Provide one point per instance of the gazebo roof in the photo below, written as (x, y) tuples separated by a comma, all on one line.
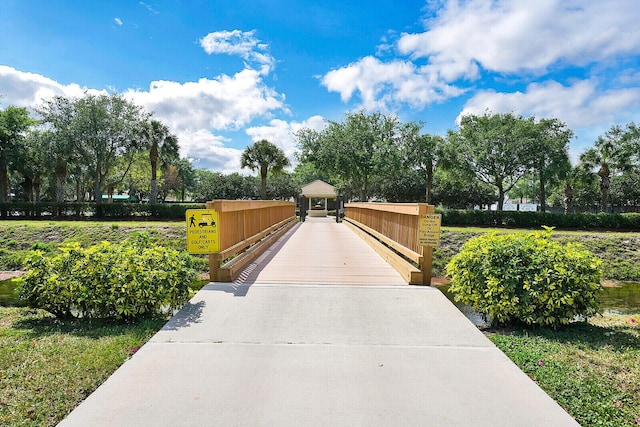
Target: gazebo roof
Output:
[(318, 189)]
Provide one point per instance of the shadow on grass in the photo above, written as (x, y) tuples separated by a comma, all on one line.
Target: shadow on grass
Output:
[(618, 338), (39, 323)]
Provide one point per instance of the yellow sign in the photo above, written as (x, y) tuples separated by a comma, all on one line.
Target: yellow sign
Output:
[(202, 231), (429, 230)]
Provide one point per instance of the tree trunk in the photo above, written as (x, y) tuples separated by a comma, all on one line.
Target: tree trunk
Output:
[(153, 191), (153, 158), (4, 179), (27, 187), (605, 180), (263, 182), (61, 177), (36, 188), (568, 198), (500, 198), (543, 195), (429, 181)]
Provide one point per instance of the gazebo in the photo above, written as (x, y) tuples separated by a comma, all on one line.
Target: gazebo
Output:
[(318, 194)]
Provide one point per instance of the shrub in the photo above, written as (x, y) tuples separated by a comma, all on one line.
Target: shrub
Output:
[(526, 277), (122, 281)]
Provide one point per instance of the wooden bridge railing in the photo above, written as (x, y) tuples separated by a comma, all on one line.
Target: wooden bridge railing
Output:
[(392, 230), (246, 229)]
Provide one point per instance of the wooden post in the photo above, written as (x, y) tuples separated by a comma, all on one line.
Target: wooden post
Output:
[(427, 256), (214, 266), (426, 251)]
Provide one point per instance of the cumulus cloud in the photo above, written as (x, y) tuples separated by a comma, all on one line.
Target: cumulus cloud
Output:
[(226, 102), (195, 111), (239, 43), (118, 21), (515, 35), (579, 105), (281, 133), (382, 85), (465, 40), (208, 151), (23, 89)]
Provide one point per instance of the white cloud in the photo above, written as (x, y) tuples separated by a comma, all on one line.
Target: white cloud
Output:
[(226, 102), (118, 21), (207, 151), (240, 43), (281, 133), (515, 35), (581, 105), (24, 89), (194, 111), (381, 85), (149, 8)]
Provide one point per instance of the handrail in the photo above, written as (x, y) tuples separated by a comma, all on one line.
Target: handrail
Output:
[(243, 223), (396, 225)]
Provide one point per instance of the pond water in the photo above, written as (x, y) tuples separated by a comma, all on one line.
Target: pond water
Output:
[(7, 295), (622, 299)]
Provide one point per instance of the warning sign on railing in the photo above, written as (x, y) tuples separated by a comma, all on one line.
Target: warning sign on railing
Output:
[(429, 230), (202, 231)]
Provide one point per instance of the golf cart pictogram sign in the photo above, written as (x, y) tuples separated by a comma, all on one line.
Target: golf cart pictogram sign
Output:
[(202, 231)]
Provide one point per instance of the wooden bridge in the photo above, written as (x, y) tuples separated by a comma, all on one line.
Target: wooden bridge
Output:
[(376, 243), (314, 328)]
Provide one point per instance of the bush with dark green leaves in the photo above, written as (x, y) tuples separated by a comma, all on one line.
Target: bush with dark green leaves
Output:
[(526, 277), (121, 281)]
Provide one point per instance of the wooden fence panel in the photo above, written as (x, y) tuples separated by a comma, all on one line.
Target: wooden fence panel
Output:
[(243, 223), (395, 225)]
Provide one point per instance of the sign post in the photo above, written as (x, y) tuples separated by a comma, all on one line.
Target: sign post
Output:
[(203, 236), (428, 238), (202, 231), (429, 230)]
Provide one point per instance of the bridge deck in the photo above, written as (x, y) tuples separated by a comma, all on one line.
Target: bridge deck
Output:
[(319, 251), (294, 343)]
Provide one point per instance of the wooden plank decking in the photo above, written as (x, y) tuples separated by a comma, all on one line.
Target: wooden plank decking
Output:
[(319, 251)]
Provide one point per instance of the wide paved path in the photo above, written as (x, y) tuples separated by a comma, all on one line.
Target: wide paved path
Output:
[(307, 351)]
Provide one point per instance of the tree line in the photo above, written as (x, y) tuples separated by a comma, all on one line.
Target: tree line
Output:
[(488, 158), (81, 148)]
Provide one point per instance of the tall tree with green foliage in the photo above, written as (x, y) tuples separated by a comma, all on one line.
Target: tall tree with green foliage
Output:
[(14, 123), (611, 153), (59, 113), (550, 158), (421, 153), (362, 150), (497, 148), (264, 156), (163, 147), (102, 129), (31, 162)]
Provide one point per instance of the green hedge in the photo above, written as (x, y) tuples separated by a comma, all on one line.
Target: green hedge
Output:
[(76, 210), (122, 281), (526, 277), (628, 221)]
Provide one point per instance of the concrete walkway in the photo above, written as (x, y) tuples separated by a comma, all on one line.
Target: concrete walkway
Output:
[(263, 352)]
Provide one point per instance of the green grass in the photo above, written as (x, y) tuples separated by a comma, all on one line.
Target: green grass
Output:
[(48, 366), (619, 251), (591, 369), (18, 237)]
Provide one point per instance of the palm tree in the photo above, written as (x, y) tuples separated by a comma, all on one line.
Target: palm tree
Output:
[(609, 154), (265, 156), (163, 147)]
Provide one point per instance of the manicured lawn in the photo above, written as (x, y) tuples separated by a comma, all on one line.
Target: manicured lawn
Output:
[(48, 366), (592, 370)]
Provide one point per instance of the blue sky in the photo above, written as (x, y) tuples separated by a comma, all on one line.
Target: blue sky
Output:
[(222, 74)]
